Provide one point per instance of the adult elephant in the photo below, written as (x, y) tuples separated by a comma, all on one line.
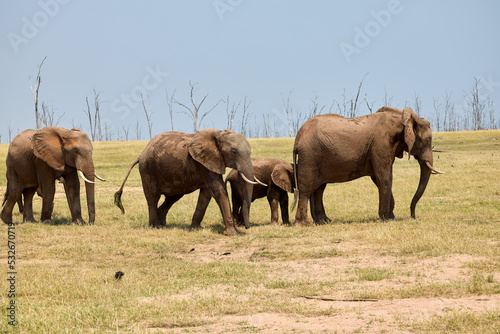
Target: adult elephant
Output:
[(277, 178), (331, 148), (174, 164), (36, 159)]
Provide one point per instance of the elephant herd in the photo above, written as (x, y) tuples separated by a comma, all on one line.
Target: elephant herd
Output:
[(328, 148)]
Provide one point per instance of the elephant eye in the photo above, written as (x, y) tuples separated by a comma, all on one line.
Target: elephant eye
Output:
[(234, 151)]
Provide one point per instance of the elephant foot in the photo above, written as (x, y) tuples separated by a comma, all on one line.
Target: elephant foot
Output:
[(195, 226), (7, 219), (47, 222), (387, 217), (79, 221), (304, 222), (231, 231), (30, 220), (322, 220)]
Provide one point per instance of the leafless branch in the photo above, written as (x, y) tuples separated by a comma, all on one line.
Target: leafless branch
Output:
[(35, 94), (148, 115)]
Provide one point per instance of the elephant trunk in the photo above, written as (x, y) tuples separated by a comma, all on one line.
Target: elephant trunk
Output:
[(425, 174), (247, 171), (89, 174)]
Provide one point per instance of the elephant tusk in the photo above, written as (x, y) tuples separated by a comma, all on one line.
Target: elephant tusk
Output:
[(83, 177), (99, 178), (260, 182), (246, 179), (434, 171)]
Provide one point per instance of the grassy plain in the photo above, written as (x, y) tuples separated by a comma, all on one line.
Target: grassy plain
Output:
[(438, 273)]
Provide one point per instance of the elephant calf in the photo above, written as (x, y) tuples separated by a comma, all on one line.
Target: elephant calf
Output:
[(277, 176), (174, 164)]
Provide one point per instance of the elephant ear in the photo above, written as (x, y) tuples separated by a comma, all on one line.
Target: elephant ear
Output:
[(282, 176), (204, 148), (409, 117), (47, 145)]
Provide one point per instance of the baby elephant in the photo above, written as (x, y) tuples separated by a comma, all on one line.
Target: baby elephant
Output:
[(277, 174)]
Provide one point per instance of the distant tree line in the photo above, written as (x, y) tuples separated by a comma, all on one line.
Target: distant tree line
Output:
[(476, 113)]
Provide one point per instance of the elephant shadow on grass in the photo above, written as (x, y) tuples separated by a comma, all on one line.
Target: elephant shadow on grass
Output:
[(363, 221)]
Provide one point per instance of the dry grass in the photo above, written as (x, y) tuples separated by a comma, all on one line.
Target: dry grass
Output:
[(438, 273)]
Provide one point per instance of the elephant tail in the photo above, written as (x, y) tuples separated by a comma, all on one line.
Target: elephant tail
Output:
[(118, 194), (5, 197), (296, 192)]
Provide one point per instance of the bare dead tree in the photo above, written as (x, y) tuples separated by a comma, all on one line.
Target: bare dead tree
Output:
[(245, 116), (126, 132), (491, 111), (47, 116), (437, 111), (137, 131), (289, 112), (476, 106), (449, 114), (231, 110), (97, 115), (170, 100), (94, 118), (148, 113), (417, 104), (75, 124), (342, 107), (448, 106), (194, 111), (266, 130), (387, 98), (315, 109), (10, 134), (35, 94), (368, 104), (354, 107), (89, 114)]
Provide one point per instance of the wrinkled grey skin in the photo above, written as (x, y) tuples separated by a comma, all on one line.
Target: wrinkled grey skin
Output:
[(331, 148), (36, 159), (174, 164), (277, 174)]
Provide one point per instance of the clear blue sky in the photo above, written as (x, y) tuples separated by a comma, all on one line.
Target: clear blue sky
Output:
[(255, 48)]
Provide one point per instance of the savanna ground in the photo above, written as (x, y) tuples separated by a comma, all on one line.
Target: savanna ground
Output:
[(438, 273)]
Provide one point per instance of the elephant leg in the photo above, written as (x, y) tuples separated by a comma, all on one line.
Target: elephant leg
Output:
[(218, 190), (284, 207), (71, 185), (273, 197), (237, 202), (317, 208), (386, 199), (20, 205), (165, 206), (201, 207), (154, 219), (301, 214), (15, 194), (48, 190), (28, 205)]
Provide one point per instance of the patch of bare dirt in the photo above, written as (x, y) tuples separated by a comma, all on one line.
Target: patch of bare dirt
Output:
[(384, 316)]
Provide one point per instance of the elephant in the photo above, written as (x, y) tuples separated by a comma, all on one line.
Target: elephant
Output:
[(174, 164), (331, 149), (36, 159), (277, 176)]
